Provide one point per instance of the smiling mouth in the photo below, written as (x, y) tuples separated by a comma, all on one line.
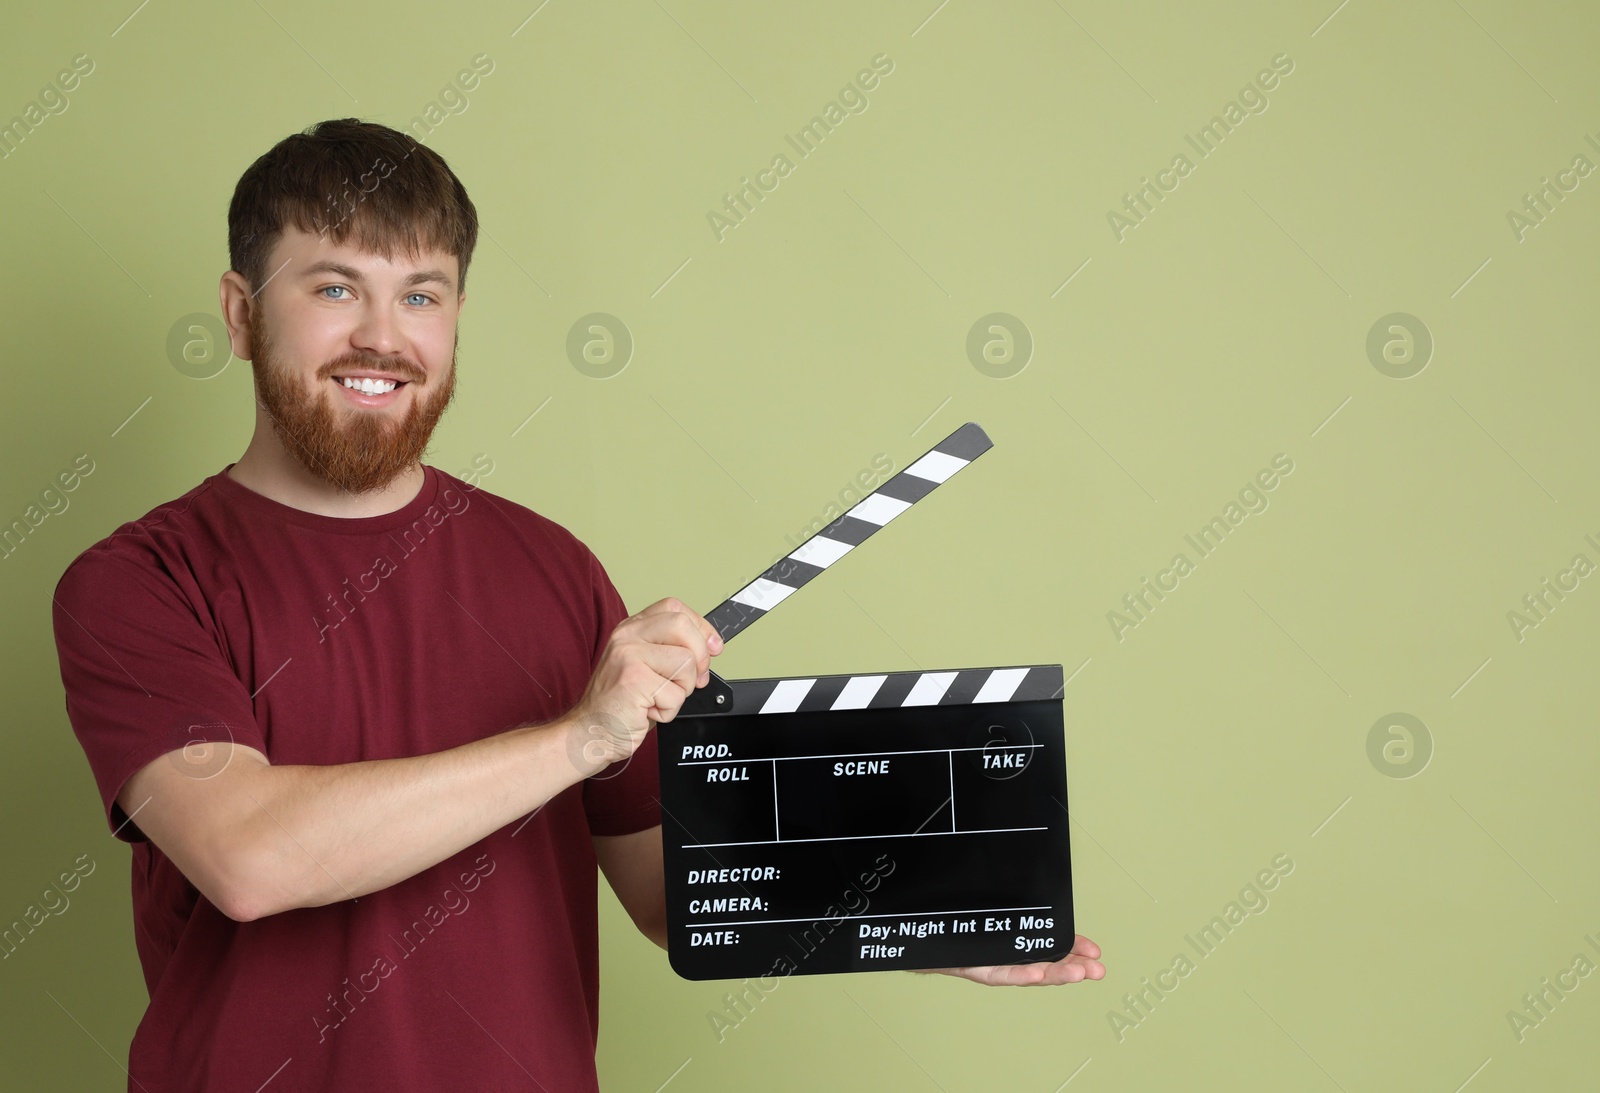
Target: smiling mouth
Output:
[(368, 385)]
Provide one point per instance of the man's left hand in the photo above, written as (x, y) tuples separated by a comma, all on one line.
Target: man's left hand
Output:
[(1083, 962)]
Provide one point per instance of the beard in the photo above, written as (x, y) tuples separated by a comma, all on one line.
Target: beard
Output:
[(364, 451)]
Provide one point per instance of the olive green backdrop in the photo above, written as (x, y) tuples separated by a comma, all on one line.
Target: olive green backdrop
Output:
[(1340, 282)]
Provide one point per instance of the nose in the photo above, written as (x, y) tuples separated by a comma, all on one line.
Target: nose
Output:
[(378, 333)]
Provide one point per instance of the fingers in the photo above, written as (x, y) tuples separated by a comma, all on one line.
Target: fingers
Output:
[(670, 622), (708, 633), (652, 662), (1071, 969), (1075, 967), (669, 678), (999, 975)]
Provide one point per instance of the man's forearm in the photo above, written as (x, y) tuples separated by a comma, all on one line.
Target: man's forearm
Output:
[(306, 836)]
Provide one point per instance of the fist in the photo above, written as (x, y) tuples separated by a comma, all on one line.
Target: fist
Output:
[(650, 664)]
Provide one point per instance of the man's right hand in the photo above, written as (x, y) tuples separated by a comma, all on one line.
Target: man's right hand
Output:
[(651, 663)]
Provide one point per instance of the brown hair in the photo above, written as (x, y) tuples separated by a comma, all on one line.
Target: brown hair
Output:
[(344, 178)]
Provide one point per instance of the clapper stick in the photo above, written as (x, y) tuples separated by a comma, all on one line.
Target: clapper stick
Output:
[(735, 614)]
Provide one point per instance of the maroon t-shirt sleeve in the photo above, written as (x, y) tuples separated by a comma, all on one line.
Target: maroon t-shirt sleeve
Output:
[(143, 675), (623, 798)]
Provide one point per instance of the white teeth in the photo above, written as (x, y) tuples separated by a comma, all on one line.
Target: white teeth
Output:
[(369, 386)]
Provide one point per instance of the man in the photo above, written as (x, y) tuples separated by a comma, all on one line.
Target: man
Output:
[(369, 728)]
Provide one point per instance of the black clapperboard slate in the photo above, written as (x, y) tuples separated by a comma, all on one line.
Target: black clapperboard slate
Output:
[(865, 822)]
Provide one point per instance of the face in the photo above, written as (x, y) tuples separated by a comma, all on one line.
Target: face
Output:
[(354, 356)]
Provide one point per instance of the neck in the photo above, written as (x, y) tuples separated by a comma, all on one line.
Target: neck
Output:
[(267, 468)]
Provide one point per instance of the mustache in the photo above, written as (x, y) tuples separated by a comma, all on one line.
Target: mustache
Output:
[(396, 366)]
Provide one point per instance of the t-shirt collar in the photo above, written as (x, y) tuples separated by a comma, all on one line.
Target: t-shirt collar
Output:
[(236, 493)]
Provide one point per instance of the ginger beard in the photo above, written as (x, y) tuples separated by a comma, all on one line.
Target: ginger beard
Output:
[(365, 451)]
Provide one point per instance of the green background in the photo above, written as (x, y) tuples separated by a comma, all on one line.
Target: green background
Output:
[(770, 367)]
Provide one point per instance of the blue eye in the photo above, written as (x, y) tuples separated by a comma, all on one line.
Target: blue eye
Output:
[(334, 288), (420, 296)]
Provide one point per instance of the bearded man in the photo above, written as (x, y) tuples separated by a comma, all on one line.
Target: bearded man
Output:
[(369, 729)]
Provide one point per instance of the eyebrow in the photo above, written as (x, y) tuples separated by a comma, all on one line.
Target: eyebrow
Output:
[(350, 273)]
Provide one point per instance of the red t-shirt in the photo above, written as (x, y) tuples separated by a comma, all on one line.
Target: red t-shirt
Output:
[(318, 640)]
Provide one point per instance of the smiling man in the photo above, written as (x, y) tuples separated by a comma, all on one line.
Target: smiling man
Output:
[(357, 453), (368, 729)]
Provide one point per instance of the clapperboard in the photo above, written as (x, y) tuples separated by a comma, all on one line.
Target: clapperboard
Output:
[(865, 822)]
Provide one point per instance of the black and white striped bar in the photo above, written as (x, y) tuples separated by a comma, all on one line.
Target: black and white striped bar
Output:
[(897, 690), (833, 542)]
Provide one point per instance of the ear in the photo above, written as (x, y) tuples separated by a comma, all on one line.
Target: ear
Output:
[(237, 300)]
